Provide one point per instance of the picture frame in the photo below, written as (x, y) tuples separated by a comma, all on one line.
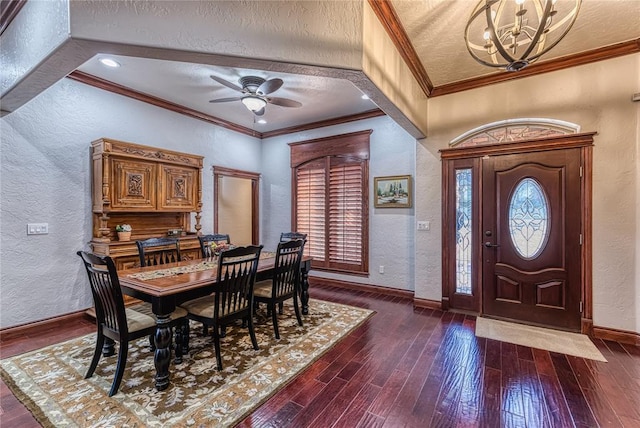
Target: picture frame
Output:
[(392, 191)]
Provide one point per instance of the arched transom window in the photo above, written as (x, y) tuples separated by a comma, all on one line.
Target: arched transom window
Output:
[(510, 130)]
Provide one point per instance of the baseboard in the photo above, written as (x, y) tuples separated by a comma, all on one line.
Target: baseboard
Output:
[(358, 287), (417, 302), (622, 336), (37, 326), (427, 304), (586, 326)]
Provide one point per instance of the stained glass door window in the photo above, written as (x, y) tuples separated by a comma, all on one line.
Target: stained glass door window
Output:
[(528, 218)]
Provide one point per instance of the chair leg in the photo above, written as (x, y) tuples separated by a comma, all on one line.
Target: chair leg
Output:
[(152, 342), (205, 330), (274, 319), (96, 355), (185, 337), (297, 308), (281, 308), (122, 363), (252, 333), (108, 348), (179, 332), (216, 344)]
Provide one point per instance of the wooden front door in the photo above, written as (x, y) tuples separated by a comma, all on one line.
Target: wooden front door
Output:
[(531, 237)]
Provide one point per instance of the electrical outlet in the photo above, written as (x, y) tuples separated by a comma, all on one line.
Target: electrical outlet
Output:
[(37, 228), (424, 225), (381, 269)]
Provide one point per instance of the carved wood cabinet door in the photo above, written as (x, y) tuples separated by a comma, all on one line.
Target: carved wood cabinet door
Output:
[(178, 188), (134, 185)]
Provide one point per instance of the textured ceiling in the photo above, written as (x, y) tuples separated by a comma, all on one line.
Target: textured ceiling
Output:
[(286, 40), (436, 30), (191, 86)]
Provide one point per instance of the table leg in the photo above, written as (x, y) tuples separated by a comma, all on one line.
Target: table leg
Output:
[(162, 355), (304, 290)]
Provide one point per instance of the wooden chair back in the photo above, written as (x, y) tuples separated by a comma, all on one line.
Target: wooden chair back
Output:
[(158, 251), (206, 240), (236, 277), (287, 268), (107, 295), (289, 236)]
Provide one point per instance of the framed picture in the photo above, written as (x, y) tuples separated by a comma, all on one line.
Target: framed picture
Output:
[(392, 192)]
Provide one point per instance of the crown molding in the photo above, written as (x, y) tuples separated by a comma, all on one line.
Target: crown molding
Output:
[(322, 123), (107, 85), (8, 11), (568, 61), (158, 102), (390, 21)]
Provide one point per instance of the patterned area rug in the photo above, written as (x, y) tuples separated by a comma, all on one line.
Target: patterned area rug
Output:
[(578, 345), (50, 381)]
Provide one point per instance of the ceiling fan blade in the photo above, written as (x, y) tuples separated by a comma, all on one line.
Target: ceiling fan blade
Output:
[(284, 102), (226, 83), (224, 100), (269, 86), (259, 112)]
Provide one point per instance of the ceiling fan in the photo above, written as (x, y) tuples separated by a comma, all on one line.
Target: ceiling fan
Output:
[(254, 93)]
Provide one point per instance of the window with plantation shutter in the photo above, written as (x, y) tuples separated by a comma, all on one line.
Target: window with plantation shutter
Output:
[(330, 200), (310, 209)]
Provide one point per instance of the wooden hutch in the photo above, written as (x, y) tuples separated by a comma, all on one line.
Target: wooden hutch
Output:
[(153, 190)]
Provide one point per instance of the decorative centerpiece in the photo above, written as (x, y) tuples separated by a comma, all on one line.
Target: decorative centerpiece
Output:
[(124, 232), (216, 248)]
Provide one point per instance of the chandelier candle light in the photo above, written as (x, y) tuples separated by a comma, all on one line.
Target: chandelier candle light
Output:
[(512, 34)]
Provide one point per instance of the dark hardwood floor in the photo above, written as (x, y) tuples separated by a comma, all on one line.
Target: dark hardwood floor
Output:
[(409, 367)]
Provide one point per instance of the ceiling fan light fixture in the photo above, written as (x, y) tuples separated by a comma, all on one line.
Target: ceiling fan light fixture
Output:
[(254, 103), (513, 34)]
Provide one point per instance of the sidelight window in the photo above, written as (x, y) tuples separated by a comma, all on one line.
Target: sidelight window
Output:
[(463, 230)]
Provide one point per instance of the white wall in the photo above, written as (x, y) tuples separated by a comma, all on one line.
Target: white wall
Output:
[(45, 164), (391, 235), (598, 98)]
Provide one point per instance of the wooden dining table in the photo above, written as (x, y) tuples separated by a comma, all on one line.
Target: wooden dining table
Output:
[(169, 285)]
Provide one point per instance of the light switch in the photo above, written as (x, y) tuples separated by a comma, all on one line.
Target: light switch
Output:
[(37, 228), (424, 225)]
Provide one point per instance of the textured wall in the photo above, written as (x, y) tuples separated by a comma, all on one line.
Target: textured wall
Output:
[(391, 236), (386, 68), (585, 95), (39, 28), (276, 30), (46, 178)]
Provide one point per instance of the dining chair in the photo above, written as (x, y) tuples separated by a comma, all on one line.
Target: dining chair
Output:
[(158, 251), (114, 321), (284, 283), (206, 240), (288, 236), (233, 296)]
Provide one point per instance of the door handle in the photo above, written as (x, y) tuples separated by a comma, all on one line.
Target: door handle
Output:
[(490, 245)]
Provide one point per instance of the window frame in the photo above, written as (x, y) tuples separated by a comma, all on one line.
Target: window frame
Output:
[(349, 148)]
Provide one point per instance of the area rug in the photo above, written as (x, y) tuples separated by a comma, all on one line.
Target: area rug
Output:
[(50, 381), (578, 345)]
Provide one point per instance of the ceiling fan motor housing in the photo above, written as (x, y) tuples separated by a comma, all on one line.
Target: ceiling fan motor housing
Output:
[(251, 83)]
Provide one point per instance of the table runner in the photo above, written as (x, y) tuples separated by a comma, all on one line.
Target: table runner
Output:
[(203, 265)]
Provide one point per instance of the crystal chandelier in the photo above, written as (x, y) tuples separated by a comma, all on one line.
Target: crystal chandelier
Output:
[(512, 34)]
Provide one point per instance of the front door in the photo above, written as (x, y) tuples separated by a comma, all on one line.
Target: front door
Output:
[(531, 237)]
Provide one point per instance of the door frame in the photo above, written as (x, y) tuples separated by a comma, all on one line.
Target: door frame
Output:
[(218, 173), (583, 141)]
